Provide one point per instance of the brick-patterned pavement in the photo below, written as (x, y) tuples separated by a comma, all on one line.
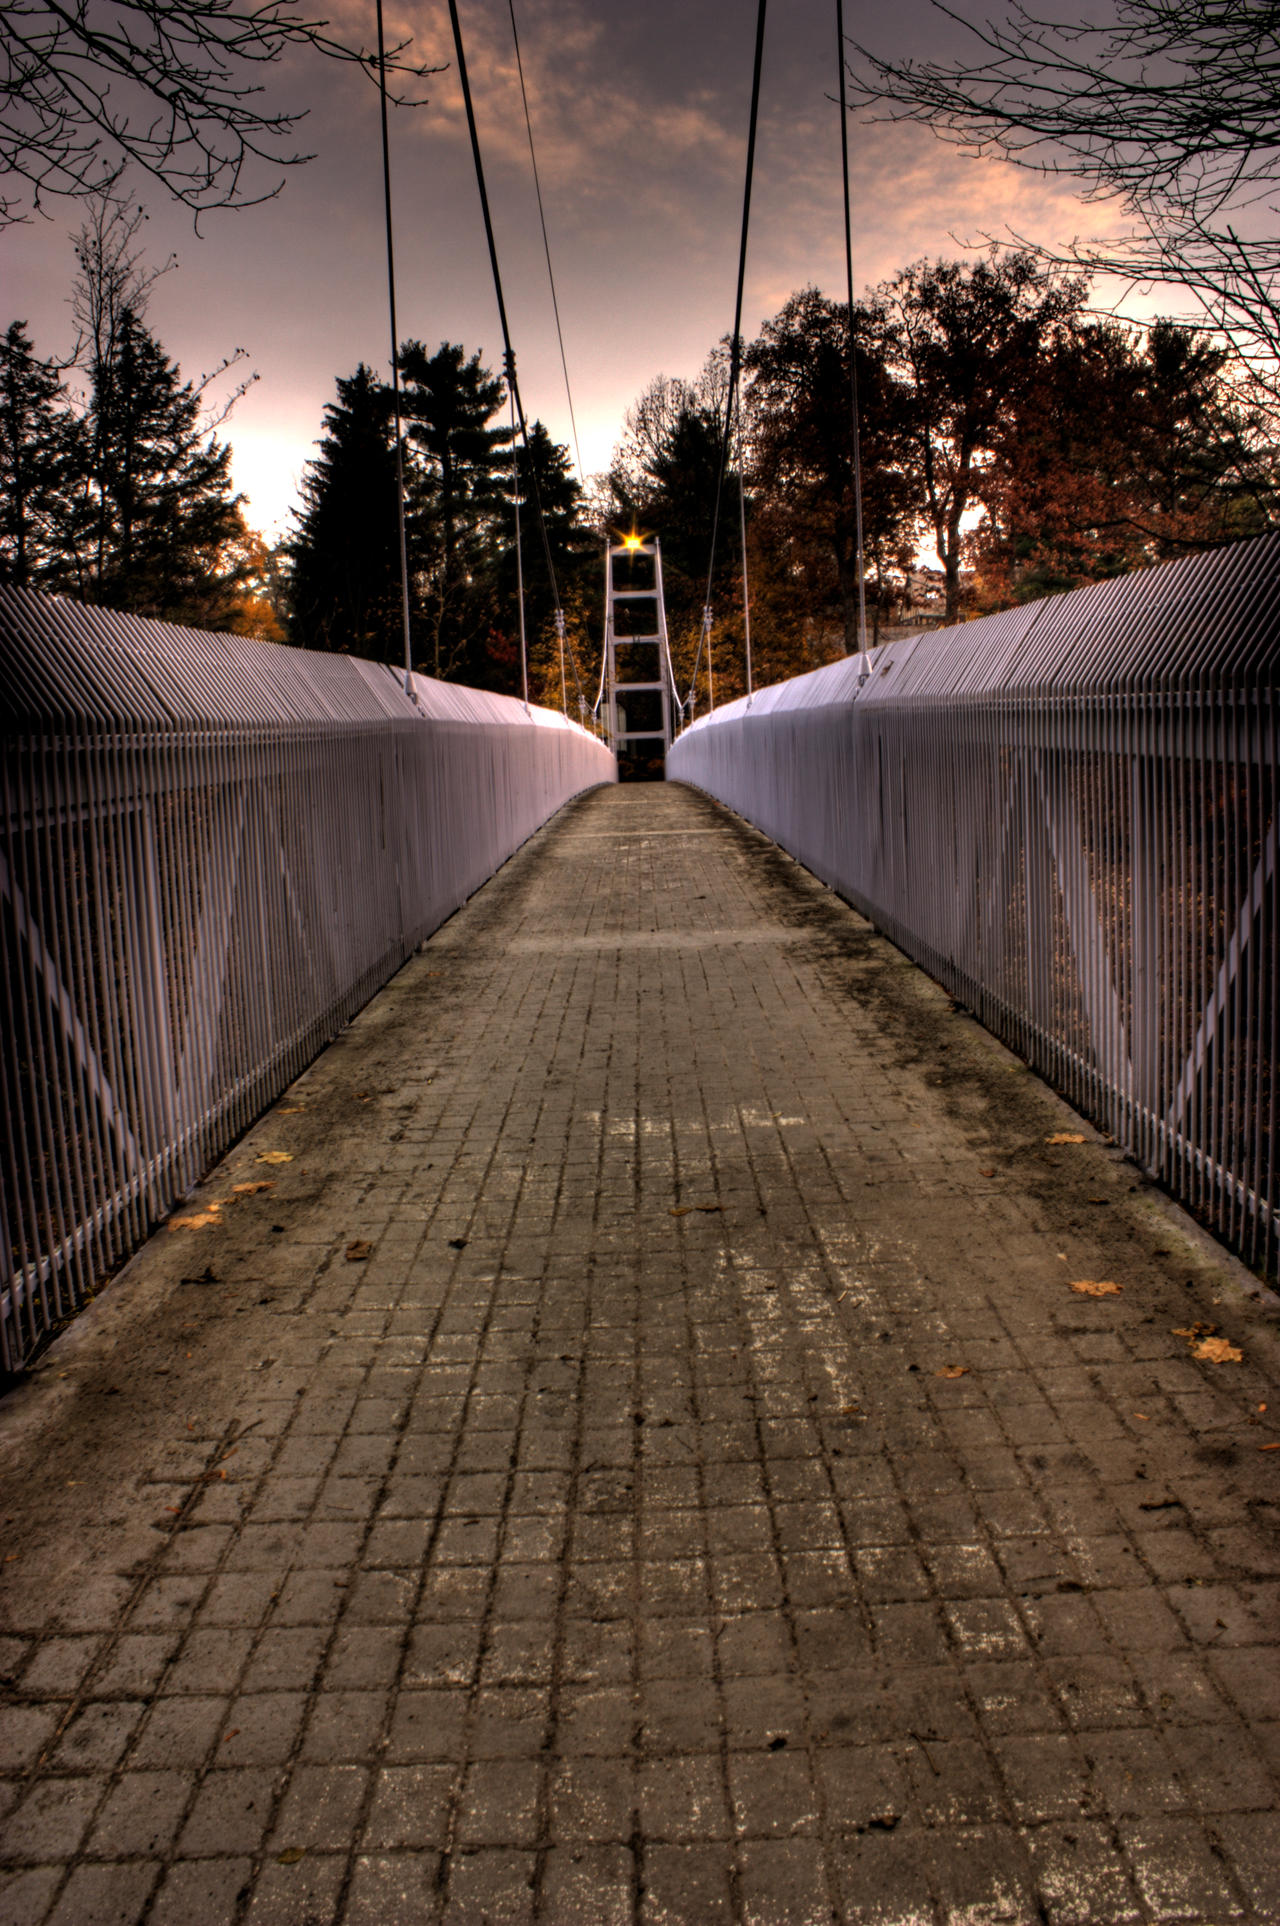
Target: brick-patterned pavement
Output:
[(644, 1460)]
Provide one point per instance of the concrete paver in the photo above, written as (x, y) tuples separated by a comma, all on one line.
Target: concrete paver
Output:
[(626, 1447)]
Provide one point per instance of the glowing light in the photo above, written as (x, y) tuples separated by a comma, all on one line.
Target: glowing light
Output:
[(633, 541)]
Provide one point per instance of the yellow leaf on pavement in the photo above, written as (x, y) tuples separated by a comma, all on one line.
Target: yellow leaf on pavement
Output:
[(953, 1371), (200, 1222), (275, 1156), (1066, 1137), (1096, 1287), (1216, 1350)]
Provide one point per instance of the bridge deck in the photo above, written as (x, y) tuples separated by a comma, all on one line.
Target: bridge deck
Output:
[(642, 1457)]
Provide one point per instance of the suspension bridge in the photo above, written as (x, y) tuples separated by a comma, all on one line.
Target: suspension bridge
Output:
[(674, 1353), (665, 1416)]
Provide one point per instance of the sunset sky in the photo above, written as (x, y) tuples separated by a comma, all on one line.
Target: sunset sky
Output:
[(640, 117)]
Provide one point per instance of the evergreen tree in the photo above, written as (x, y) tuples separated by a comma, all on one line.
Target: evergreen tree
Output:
[(163, 518), (41, 450), (345, 553), (554, 488), (458, 496)]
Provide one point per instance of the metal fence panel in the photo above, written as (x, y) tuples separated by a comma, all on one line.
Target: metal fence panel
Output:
[(1067, 813), (214, 850)]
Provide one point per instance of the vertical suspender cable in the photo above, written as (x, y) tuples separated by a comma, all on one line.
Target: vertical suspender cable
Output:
[(853, 354), (509, 356), (546, 245), (515, 473), (735, 350), (395, 355), (746, 588)]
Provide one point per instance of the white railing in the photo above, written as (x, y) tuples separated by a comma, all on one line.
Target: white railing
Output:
[(213, 852), (1068, 815)]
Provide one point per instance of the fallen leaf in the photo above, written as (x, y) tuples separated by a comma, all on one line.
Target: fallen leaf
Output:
[(1270, 1447), (680, 1210), (986, 1173), (1096, 1287), (201, 1222), (275, 1156), (1066, 1137), (1194, 1330), (234, 1733), (1142, 1416), (1217, 1350), (251, 1190), (291, 1855), (291, 1110), (1262, 1407), (357, 1252), (953, 1371)]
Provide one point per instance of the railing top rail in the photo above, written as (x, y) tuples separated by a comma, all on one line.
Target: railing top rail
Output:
[(64, 665), (1206, 621)]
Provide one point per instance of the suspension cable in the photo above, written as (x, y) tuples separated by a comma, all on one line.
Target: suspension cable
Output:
[(735, 349), (746, 587), (508, 357), (604, 652), (853, 355), (395, 358), (546, 245), (577, 679), (515, 476)]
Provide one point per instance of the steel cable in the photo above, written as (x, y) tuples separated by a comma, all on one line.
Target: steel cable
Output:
[(735, 349), (546, 245), (508, 357), (395, 357), (853, 357)]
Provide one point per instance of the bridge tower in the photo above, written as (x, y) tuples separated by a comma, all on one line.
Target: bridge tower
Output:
[(637, 652)]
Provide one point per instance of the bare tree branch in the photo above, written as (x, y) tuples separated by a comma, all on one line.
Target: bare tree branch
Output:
[(1170, 110), (90, 89)]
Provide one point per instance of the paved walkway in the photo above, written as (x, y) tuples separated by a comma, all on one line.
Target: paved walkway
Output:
[(619, 1441)]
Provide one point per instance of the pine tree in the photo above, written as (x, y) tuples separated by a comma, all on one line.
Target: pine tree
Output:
[(41, 450), (345, 553), (546, 482), (159, 522), (459, 494)]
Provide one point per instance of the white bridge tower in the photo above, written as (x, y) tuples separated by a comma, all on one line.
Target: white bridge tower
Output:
[(637, 652)]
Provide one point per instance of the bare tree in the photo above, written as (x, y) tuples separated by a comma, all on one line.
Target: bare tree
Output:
[(1170, 108), (173, 88)]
